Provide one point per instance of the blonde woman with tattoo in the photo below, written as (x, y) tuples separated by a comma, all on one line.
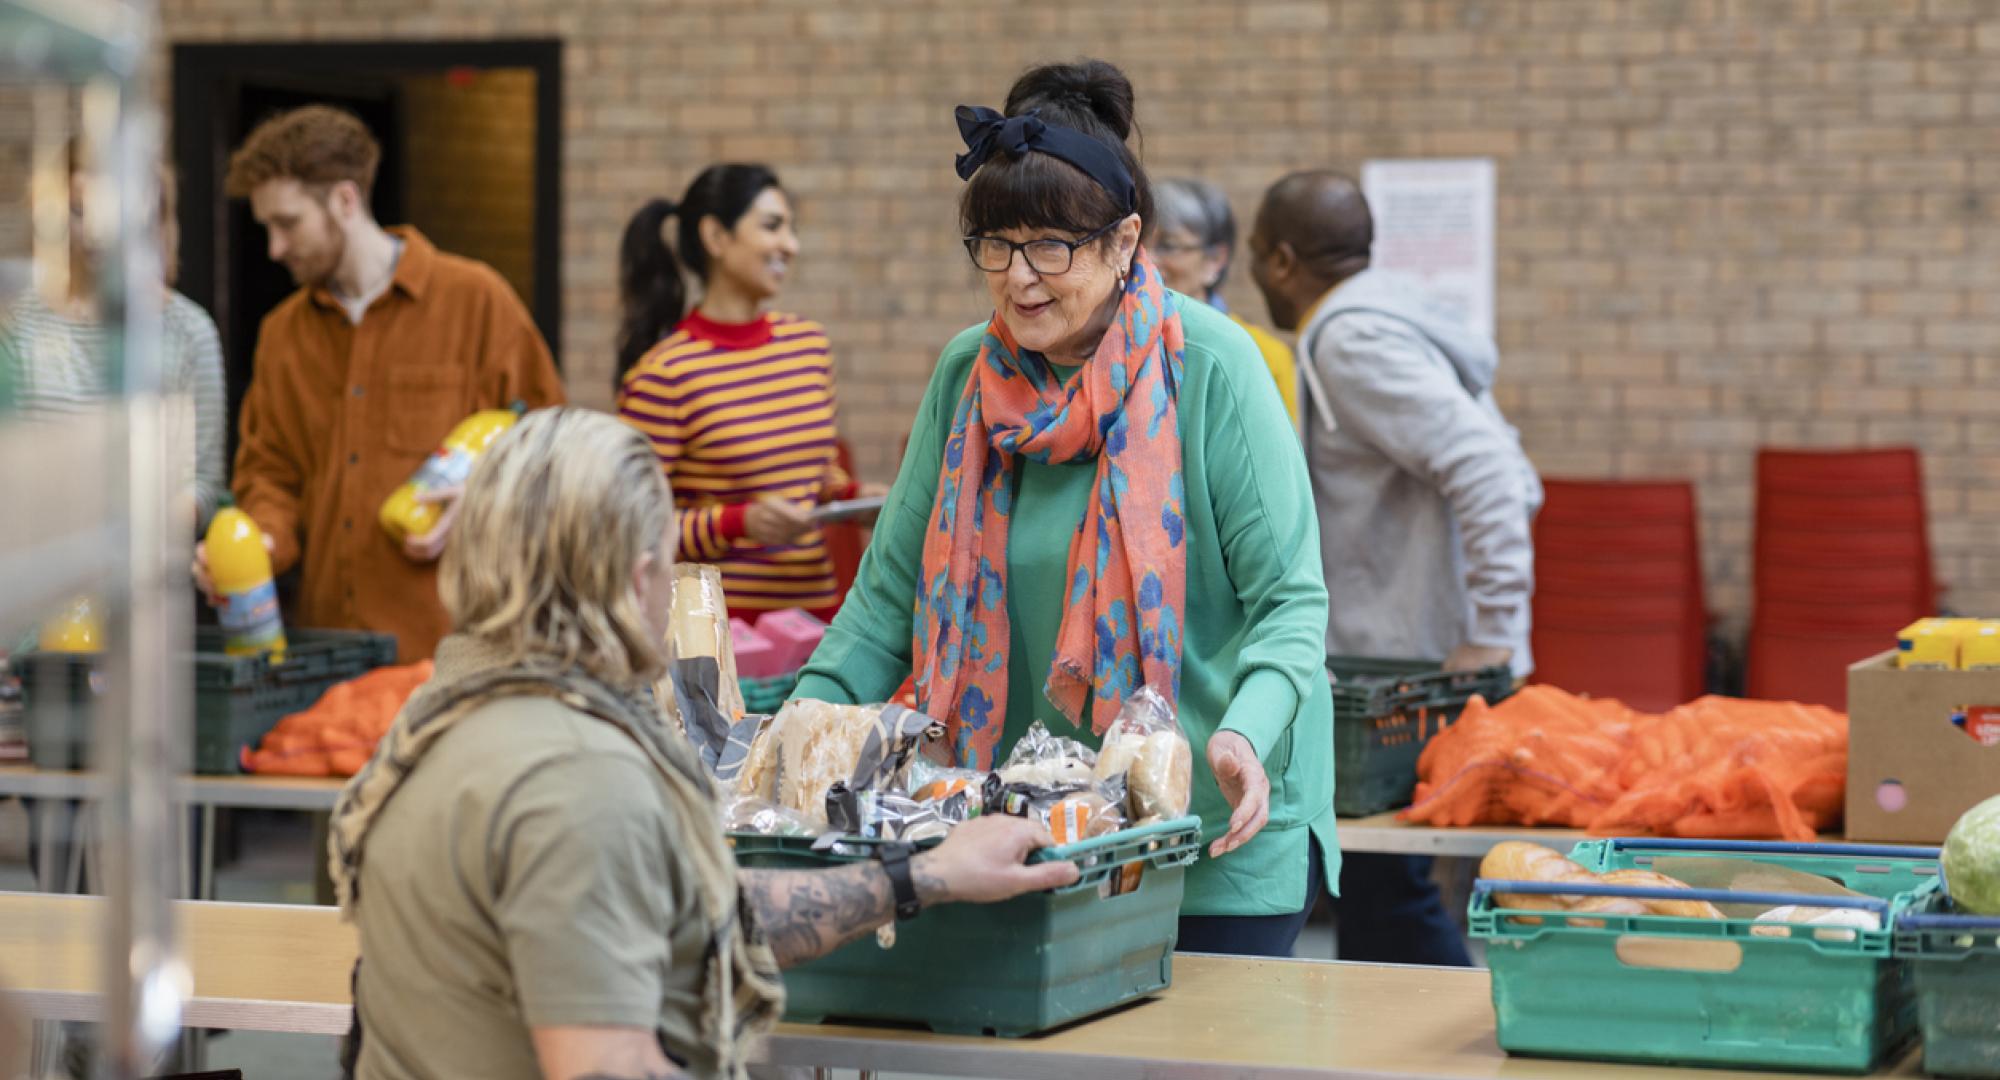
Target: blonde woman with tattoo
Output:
[(548, 894)]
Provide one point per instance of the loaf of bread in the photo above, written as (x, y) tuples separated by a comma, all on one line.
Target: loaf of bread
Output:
[(1679, 909), (1517, 860), (1158, 766)]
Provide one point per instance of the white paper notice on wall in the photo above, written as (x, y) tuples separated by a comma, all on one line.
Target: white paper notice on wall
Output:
[(1434, 221)]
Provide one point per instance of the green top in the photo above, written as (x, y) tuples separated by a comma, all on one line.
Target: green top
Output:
[(525, 875), (1253, 658)]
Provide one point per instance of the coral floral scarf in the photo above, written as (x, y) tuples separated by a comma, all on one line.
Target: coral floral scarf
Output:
[(1127, 572)]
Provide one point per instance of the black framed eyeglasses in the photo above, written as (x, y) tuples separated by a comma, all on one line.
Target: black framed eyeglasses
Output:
[(995, 254)]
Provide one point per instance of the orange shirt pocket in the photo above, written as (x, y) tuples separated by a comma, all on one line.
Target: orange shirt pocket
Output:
[(424, 403)]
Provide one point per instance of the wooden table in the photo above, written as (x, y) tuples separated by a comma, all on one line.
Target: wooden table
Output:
[(271, 968)]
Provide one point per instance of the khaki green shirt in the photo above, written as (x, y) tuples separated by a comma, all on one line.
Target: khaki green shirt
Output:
[(525, 875)]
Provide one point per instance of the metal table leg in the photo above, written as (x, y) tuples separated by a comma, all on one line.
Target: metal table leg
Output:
[(45, 1049), (206, 883)]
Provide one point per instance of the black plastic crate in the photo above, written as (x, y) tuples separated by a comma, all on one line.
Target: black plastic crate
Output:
[(1384, 712), (237, 699)]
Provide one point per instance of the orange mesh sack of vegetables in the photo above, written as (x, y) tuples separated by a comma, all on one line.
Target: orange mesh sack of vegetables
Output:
[(1721, 768), (1714, 768), (337, 735), (1542, 757)]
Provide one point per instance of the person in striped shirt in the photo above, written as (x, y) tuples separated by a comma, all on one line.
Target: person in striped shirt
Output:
[(737, 401), (56, 357)]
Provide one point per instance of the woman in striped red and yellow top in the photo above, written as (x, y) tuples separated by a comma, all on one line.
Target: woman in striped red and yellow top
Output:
[(738, 402)]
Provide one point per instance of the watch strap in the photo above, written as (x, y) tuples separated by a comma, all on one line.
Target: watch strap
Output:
[(902, 884)]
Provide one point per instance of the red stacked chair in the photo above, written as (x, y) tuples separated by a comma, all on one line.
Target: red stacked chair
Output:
[(1842, 563), (1619, 610)]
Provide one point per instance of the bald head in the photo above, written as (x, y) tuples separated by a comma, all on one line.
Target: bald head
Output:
[(1325, 218), (1313, 231)]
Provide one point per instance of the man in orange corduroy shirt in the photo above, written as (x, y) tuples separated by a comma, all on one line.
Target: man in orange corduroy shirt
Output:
[(359, 375)]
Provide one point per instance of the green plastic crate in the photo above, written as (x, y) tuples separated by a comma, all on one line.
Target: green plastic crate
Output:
[(1384, 713), (237, 699), (1955, 958), (1591, 986), (1013, 968), (764, 697)]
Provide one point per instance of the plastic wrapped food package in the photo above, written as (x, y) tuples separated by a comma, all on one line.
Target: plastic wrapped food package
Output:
[(811, 744), (698, 631), (1146, 744), (1072, 812), (882, 815), (700, 691), (1097, 810), (954, 794), (748, 813), (1054, 772), (1045, 759)]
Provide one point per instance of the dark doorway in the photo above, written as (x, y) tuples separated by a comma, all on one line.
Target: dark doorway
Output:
[(496, 103)]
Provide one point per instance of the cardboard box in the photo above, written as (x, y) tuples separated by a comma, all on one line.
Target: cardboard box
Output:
[(1923, 747)]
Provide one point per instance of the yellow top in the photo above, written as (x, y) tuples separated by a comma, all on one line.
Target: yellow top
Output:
[(1278, 358)]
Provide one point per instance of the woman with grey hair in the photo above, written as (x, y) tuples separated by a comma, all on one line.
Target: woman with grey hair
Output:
[(1193, 240)]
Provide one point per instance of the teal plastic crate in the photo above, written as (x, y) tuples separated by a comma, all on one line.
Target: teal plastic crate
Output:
[(1013, 968), (1384, 714), (1955, 959), (1719, 992), (237, 699)]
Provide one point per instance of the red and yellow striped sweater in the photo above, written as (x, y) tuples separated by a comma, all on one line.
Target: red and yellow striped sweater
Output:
[(736, 411)]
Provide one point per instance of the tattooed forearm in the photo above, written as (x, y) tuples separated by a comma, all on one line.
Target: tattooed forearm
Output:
[(809, 913)]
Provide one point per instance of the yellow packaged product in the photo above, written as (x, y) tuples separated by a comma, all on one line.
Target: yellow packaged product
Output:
[(246, 597), (1980, 650), (404, 513), (1928, 645), (77, 629)]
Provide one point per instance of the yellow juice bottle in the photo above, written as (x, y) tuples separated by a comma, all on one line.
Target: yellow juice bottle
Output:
[(246, 597), (77, 629), (403, 514)]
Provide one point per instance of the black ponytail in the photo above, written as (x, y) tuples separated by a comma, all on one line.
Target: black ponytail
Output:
[(652, 290)]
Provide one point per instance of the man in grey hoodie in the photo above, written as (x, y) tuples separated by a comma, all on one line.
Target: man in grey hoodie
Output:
[(1425, 497)]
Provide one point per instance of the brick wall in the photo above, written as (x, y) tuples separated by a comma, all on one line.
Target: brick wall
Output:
[(1722, 222), (472, 186)]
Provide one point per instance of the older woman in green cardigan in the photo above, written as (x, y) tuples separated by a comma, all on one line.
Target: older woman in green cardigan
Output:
[(1103, 492)]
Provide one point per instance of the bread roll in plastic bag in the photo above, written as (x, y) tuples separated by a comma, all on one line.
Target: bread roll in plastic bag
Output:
[(1045, 759), (1146, 744), (1097, 810)]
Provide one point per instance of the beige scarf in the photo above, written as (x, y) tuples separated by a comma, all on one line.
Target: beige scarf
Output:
[(743, 994)]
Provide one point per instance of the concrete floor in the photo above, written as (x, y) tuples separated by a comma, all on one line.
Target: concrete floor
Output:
[(274, 866)]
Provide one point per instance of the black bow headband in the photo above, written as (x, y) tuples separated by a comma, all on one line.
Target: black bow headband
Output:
[(987, 132)]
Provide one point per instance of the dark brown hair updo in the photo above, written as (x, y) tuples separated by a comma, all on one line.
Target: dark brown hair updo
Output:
[(1037, 191)]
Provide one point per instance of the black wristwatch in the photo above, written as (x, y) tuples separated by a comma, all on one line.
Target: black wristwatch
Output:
[(896, 863)]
